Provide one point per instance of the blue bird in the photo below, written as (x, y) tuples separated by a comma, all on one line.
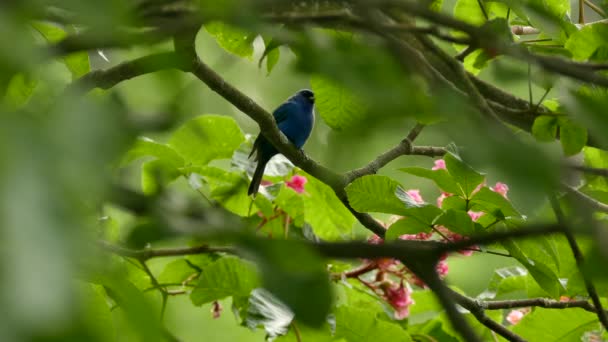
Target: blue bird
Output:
[(295, 118)]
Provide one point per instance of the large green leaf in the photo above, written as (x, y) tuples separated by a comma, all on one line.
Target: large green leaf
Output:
[(572, 136), (229, 276), (584, 43), (206, 138), (470, 10), (441, 177), (19, 90), (459, 222), (545, 128), (490, 201), (565, 325), (406, 226), (467, 178), (228, 188), (328, 217), (373, 193), (338, 107), (357, 324), (232, 39), (145, 147)]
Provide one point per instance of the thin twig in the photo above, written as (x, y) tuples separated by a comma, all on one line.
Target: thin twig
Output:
[(590, 170), (595, 8), (578, 257), (593, 203)]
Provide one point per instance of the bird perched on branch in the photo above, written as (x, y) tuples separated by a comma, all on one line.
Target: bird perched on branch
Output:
[(295, 118)]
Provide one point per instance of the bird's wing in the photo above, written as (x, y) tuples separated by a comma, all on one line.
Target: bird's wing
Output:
[(281, 113)]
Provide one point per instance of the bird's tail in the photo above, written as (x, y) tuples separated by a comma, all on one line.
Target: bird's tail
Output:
[(257, 176)]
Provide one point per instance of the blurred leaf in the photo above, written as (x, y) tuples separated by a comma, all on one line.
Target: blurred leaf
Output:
[(566, 325), (406, 226), (458, 222), (19, 90), (356, 324), (584, 43), (376, 194), (156, 174), (338, 106), (572, 136), (290, 269), (328, 217), (599, 159), (589, 108), (469, 11), (467, 178), (177, 271), (441, 177), (206, 138), (229, 276), (232, 39), (77, 62), (545, 128)]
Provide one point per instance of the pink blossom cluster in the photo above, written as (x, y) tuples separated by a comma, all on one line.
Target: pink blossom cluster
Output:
[(398, 293)]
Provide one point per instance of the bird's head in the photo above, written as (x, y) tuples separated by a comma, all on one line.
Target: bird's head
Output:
[(306, 95)]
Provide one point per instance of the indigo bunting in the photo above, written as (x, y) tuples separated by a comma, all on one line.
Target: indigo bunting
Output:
[(295, 118)]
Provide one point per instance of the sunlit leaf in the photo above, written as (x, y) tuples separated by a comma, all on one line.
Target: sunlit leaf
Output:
[(226, 277)]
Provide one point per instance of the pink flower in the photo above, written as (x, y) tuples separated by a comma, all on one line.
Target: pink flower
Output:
[(418, 236), (265, 183), (400, 299), (439, 165), (501, 188), (475, 215), (515, 316), (441, 197), (375, 240), (297, 183), (415, 195), (442, 268)]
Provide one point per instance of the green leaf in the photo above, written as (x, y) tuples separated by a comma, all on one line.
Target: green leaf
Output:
[(406, 226), (599, 159), (373, 193), (566, 325), (506, 281), (289, 269), (229, 276), (441, 178), (458, 222), (272, 58), (488, 201), (467, 178), (572, 136), (292, 203), (145, 147), (228, 188), (328, 217), (77, 62), (232, 39), (156, 174), (356, 324), (469, 11), (19, 90), (338, 106), (584, 43), (454, 202), (545, 128), (538, 267), (176, 272), (206, 138)]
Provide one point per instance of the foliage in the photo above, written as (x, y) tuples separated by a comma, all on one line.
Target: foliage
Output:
[(125, 210)]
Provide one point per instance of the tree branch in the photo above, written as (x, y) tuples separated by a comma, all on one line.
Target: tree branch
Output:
[(146, 254)]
